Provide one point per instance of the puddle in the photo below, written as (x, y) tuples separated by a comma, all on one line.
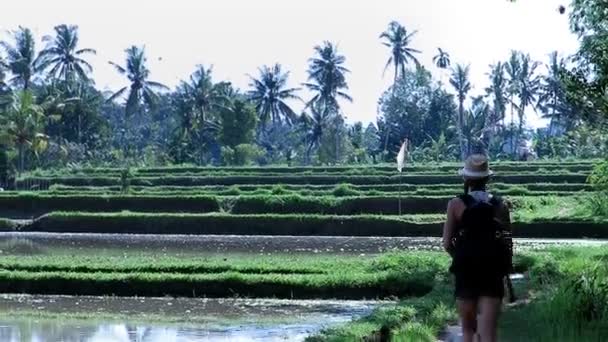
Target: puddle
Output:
[(104, 319)]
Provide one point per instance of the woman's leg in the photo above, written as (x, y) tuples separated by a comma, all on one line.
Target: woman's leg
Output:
[(489, 308), (467, 309)]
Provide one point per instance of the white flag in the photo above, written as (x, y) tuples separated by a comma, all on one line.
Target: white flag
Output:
[(401, 156)]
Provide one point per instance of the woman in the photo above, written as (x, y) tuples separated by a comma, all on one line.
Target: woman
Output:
[(473, 236)]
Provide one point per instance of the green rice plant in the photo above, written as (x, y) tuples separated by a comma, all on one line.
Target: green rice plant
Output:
[(279, 276), (415, 331), (233, 190), (278, 190), (344, 190)]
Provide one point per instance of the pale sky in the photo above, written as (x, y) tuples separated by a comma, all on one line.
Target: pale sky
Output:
[(238, 36)]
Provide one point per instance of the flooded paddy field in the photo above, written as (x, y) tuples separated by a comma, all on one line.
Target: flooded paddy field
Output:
[(96, 319), (21, 242)]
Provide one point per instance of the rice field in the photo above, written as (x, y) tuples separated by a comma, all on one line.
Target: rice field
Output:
[(272, 232)]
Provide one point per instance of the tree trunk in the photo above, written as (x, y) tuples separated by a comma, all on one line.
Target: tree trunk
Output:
[(388, 130), (308, 152), (513, 145), (551, 122), (79, 129), (21, 159), (463, 152), (520, 128)]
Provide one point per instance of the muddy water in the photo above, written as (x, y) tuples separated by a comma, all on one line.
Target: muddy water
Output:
[(249, 244), (97, 319)]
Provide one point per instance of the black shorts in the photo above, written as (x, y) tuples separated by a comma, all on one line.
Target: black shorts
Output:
[(473, 286)]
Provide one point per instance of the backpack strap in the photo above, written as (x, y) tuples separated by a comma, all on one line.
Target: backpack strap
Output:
[(467, 199)]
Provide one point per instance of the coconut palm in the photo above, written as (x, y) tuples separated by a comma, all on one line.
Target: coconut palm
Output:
[(269, 93), (477, 124), (462, 85), (551, 91), (327, 78), (63, 57), (21, 56), (22, 123), (203, 95), (442, 59), (529, 85), (398, 40), (497, 92), (315, 125), (197, 103), (513, 69), (140, 89)]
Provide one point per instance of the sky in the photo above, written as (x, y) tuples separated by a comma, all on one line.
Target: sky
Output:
[(236, 37)]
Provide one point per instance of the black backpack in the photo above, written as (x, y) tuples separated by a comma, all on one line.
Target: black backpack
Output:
[(482, 243)]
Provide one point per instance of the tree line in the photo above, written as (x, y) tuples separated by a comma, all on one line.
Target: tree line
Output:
[(53, 115)]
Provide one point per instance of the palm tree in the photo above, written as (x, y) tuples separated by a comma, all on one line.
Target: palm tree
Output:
[(315, 126), (203, 94), (513, 69), (270, 93), (141, 90), (198, 101), (84, 101), (529, 84), (551, 91), (21, 56), (327, 78), (23, 124), (497, 92), (442, 59), (462, 85), (476, 125), (398, 40), (63, 56)]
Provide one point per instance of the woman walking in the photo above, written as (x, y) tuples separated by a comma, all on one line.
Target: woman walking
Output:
[(477, 236)]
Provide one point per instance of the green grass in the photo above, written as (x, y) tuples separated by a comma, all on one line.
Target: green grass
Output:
[(570, 299), (569, 287)]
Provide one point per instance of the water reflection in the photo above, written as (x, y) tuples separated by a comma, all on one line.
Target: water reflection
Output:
[(57, 331), (26, 318)]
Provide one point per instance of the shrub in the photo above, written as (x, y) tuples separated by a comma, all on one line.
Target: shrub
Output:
[(598, 203), (344, 190)]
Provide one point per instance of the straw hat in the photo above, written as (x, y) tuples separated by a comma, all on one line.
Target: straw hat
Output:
[(475, 167)]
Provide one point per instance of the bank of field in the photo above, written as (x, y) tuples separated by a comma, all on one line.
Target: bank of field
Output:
[(73, 272), (533, 217), (542, 166), (35, 204), (315, 179)]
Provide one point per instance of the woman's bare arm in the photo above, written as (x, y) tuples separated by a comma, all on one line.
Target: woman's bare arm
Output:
[(450, 225)]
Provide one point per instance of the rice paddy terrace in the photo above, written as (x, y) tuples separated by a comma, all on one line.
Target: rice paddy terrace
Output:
[(261, 210), (296, 201), (265, 232)]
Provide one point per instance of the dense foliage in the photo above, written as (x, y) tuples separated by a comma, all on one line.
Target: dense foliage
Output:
[(52, 114)]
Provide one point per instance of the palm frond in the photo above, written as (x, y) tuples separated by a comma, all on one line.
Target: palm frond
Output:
[(117, 94), (118, 67)]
